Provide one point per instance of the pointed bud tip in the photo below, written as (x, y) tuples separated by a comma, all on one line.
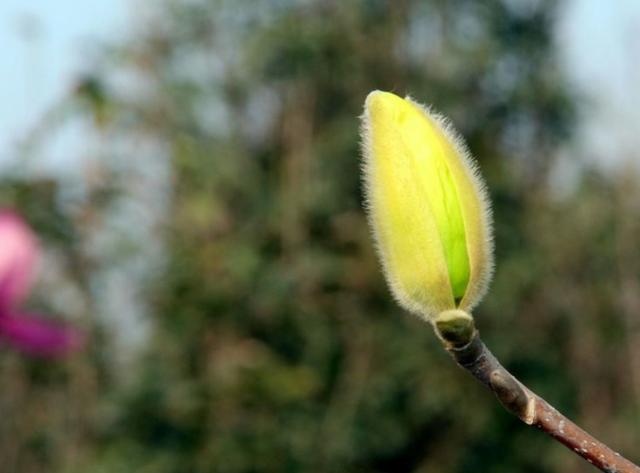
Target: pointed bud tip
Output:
[(380, 103)]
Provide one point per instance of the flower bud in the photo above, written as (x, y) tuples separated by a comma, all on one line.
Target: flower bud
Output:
[(427, 207)]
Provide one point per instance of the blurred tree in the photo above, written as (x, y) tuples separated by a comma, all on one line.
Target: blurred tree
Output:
[(276, 345)]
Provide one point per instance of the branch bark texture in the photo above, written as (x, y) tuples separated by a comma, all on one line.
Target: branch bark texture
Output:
[(457, 331)]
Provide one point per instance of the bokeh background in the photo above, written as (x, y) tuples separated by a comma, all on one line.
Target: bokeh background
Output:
[(192, 171)]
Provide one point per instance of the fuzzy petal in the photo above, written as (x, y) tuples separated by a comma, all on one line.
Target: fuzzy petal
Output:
[(35, 335), (427, 206)]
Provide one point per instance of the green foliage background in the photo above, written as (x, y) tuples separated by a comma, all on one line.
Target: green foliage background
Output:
[(275, 345)]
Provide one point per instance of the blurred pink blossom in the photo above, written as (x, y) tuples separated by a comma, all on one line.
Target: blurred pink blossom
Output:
[(29, 333)]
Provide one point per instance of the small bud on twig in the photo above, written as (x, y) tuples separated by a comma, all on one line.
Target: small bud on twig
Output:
[(431, 220)]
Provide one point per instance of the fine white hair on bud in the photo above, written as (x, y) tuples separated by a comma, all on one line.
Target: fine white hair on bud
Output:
[(427, 206)]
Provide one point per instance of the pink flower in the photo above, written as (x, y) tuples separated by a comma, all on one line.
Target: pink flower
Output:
[(31, 334)]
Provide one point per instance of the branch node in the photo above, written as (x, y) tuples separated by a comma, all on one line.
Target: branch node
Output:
[(510, 393), (455, 327)]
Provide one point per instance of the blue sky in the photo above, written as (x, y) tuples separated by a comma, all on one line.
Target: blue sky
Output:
[(600, 49), (45, 44)]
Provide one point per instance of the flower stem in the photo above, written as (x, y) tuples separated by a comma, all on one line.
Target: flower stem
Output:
[(471, 354)]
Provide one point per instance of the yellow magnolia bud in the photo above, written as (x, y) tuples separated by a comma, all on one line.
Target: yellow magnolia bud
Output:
[(427, 207)]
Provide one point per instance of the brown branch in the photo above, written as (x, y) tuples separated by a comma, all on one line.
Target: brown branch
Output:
[(457, 331)]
